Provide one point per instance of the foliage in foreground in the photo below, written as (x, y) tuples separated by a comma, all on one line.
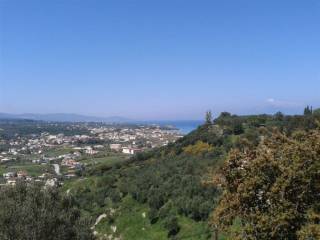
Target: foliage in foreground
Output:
[(34, 213), (274, 189)]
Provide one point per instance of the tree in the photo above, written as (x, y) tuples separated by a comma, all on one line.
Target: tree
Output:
[(208, 117), (279, 116), (274, 189), (225, 115), (308, 111), (153, 215), (171, 224), (237, 128), (199, 148), (34, 213)]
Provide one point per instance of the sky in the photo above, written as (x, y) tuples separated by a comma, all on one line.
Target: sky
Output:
[(159, 59)]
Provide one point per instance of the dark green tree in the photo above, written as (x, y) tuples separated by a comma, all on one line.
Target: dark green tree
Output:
[(34, 213), (237, 128), (171, 224), (209, 117), (153, 215), (307, 111), (279, 116)]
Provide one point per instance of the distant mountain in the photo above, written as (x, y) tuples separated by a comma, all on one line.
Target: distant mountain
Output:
[(64, 117)]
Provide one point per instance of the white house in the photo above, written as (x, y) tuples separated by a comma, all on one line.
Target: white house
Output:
[(90, 151), (115, 146), (9, 175), (128, 150), (5, 159)]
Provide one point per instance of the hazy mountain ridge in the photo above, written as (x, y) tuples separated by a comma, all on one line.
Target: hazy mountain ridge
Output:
[(64, 117)]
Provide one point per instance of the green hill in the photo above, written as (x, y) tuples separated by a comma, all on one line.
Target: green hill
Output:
[(168, 192)]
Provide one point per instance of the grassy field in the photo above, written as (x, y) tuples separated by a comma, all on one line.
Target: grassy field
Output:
[(78, 183), (33, 170), (54, 152), (132, 223), (91, 162), (108, 160), (3, 169)]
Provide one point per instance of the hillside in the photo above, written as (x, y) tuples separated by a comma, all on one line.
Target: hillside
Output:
[(236, 177), (170, 192)]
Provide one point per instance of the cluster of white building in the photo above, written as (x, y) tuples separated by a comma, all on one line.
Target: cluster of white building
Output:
[(135, 139), (128, 140), (37, 144)]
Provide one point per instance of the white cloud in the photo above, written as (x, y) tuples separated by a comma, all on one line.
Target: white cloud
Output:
[(281, 103)]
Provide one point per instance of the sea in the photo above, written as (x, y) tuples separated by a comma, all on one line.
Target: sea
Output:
[(184, 126)]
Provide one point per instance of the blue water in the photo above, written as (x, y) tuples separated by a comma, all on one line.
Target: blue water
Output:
[(187, 127), (184, 127)]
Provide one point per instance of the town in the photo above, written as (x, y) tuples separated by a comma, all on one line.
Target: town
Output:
[(51, 153)]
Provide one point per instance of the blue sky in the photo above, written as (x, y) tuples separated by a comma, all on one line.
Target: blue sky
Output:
[(168, 59)]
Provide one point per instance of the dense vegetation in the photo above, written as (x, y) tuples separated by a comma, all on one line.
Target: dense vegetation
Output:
[(10, 128), (274, 188), (169, 186), (176, 180), (30, 212)]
